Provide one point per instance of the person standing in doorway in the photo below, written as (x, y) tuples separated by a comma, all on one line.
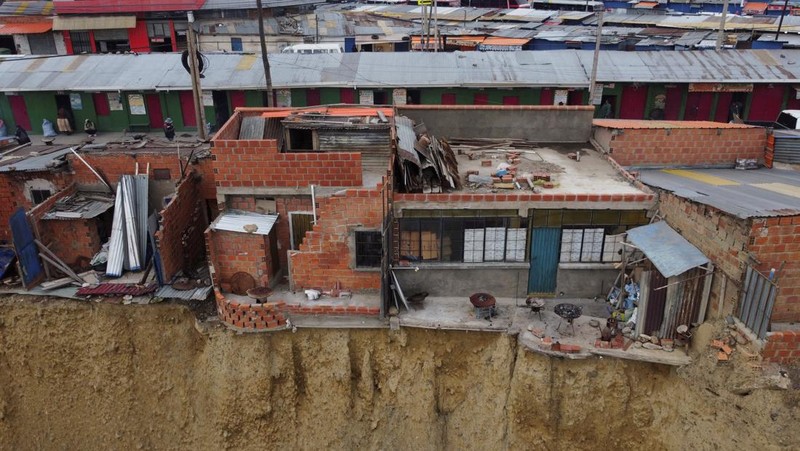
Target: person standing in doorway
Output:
[(605, 110), (63, 122)]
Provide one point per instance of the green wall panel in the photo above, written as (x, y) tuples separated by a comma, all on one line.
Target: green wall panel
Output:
[(41, 105), (116, 121), (299, 97), (171, 107), (6, 115), (329, 96), (253, 99)]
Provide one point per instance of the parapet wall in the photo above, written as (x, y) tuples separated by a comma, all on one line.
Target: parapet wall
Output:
[(540, 123)]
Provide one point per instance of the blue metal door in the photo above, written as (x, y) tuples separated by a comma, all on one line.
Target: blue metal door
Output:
[(545, 246), (27, 254)]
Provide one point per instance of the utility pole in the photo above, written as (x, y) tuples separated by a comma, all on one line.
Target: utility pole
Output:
[(264, 59), (197, 93), (780, 22), (593, 81), (721, 32), (436, 26)]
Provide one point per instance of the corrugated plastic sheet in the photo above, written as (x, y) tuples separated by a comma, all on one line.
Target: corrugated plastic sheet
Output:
[(197, 294), (85, 206), (117, 289), (40, 162), (666, 248), (234, 221)]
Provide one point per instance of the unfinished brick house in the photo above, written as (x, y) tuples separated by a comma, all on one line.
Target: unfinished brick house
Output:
[(312, 186), (375, 169), (746, 221), (70, 199)]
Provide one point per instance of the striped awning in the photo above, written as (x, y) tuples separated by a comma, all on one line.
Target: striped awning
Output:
[(93, 22), (25, 28)]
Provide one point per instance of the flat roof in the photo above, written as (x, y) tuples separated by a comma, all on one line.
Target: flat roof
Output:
[(593, 174), (741, 193)]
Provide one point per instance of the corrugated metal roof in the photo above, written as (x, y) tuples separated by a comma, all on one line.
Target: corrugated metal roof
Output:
[(666, 248), (750, 194), (40, 162), (26, 28), (26, 8), (116, 289), (234, 221), (643, 124), (80, 206), (569, 68), (196, 294)]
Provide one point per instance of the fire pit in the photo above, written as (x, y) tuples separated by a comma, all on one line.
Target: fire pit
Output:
[(260, 294), (536, 305), (568, 312), (484, 304)]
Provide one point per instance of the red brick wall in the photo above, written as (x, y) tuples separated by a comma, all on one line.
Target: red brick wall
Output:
[(325, 257), (113, 165), (12, 194), (682, 146), (231, 252), (774, 241), (250, 317), (782, 347), (74, 241), (722, 238), (257, 163), (182, 224)]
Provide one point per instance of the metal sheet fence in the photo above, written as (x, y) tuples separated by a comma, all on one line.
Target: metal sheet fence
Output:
[(758, 298)]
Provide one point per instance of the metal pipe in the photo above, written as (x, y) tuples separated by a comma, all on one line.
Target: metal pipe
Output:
[(314, 204), (596, 58), (110, 190), (780, 22), (721, 31)]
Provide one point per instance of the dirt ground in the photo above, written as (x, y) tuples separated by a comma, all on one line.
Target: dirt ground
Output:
[(97, 376)]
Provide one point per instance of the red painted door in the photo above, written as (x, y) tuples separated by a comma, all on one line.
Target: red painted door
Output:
[(723, 106), (347, 95), (101, 106), (237, 99), (187, 109), (547, 97), (19, 112), (634, 102), (575, 97), (698, 106), (672, 107), (448, 99), (480, 99), (154, 110), (510, 100), (766, 102), (313, 97)]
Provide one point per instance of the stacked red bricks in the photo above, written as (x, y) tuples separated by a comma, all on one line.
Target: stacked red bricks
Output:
[(254, 317)]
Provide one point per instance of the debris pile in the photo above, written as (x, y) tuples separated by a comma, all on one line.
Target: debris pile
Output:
[(426, 164)]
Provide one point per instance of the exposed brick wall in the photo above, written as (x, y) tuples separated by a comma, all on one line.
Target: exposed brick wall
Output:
[(74, 241), (782, 347), (325, 255), (12, 194), (681, 146), (772, 242), (113, 165), (522, 197), (257, 163), (251, 317), (721, 237), (182, 224), (232, 252)]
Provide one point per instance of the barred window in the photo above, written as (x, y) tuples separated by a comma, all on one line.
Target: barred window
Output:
[(369, 249)]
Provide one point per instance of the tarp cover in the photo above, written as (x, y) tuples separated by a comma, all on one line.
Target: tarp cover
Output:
[(667, 249)]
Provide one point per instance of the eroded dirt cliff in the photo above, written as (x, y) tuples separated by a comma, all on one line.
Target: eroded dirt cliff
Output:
[(97, 376)]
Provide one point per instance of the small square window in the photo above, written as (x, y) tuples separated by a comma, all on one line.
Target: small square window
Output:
[(40, 195), (369, 249), (161, 174)]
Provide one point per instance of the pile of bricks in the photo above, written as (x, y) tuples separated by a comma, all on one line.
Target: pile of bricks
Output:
[(252, 317)]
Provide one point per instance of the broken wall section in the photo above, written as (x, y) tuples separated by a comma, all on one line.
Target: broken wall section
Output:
[(233, 252), (182, 222), (15, 192), (635, 143), (327, 255), (773, 242)]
